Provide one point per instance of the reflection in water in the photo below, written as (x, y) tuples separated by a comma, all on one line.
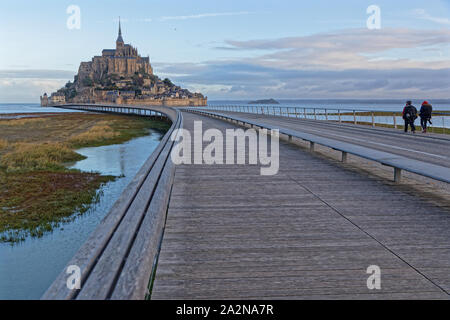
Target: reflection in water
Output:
[(28, 268), (122, 159)]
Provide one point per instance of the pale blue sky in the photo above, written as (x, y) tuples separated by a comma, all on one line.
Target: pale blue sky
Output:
[(235, 49)]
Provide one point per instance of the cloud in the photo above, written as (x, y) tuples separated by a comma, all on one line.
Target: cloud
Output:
[(36, 74), (237, 80), (28, 85), (422, 14), (205, 15), (353, 48), (27, 90), (354, 63)]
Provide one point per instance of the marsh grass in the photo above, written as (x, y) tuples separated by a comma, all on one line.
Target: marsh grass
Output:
[(37, 192), (116, 131), (35, 156), (98, 134), (24, 121), (3, 144), (44, 201)]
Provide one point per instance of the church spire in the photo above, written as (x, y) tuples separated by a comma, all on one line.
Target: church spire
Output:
[(119, 38)]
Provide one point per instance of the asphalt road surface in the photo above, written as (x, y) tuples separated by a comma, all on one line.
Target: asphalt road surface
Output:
[(431, 148)]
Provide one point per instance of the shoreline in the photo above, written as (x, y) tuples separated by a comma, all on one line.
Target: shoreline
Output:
[(12, 116), (38, 191)]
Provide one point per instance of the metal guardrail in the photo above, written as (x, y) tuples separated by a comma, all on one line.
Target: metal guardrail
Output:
[(118, 109), (119, 258), (356, 116), (399, 163)]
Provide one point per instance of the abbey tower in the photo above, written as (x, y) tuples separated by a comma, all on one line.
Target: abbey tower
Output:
[(122, 61), (122, 76)]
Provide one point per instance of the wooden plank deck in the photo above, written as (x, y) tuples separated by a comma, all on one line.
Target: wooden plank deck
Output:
[(309, 232), (117, 260)]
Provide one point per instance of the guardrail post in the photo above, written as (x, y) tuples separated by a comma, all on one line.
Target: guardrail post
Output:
[(344, 156), (397, 175), (326, 115), (311, 146), (354, 117), (395, 120), (339, 115), (296, 112), (304, 112), (373, 119), (315, 115)]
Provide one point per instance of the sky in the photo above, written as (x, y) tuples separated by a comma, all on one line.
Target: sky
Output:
[(246, 49)]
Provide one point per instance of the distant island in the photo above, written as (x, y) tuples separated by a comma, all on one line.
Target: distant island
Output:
[(264, 101), (122, 76)]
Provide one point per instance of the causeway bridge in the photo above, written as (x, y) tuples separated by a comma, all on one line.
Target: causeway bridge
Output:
[(311, 231)]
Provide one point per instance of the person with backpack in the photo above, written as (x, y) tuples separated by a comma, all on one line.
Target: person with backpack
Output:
[(409, 115), (425, 115)]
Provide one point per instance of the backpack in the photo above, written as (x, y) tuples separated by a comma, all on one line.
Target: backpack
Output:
[(426, 111), (410, 113)]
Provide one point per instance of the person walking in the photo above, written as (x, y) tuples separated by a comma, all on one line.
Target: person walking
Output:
[(409, 115), (425, 115)]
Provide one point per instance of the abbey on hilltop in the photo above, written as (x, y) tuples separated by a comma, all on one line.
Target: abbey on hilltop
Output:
[(122, 76)]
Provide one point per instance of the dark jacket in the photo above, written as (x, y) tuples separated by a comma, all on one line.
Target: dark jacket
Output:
[(425, 111), (412, 111)]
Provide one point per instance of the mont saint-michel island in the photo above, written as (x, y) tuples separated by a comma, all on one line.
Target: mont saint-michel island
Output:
[(235, 150), (122, 76)]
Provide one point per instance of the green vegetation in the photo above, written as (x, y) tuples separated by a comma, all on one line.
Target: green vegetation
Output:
[(3, 144), (32, 156), (37, 192), (168, 83), (35, 202), (68, 90), (88, 82)]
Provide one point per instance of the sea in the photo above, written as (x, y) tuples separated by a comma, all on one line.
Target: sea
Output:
[(343, 104), (332, 104)]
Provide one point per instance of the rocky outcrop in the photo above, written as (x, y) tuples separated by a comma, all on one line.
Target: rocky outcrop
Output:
[(119, 76)]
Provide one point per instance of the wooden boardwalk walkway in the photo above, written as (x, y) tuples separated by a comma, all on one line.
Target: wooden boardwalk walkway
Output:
[(308, 232)]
